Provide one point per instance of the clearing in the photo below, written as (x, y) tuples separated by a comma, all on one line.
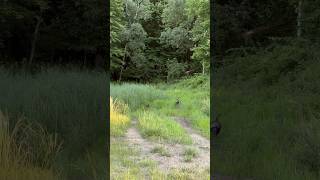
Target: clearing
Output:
[(160, 139)]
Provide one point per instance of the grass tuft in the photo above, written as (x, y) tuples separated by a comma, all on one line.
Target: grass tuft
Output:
[(161, 151), (190, 153), (118, 120)]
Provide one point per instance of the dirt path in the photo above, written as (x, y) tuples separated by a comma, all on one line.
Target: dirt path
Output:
[(176, 158)]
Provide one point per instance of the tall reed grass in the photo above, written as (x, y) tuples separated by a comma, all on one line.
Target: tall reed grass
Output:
[(119, 121), (68, 102), (26, 152), (135, 95)]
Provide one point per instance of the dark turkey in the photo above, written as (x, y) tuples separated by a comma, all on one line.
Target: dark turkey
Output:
[(216, 127)]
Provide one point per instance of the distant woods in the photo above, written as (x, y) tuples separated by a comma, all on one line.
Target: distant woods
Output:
[(159, 40), (243, 24), (53, 32)]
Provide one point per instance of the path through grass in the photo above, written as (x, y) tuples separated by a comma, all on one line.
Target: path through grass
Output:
[(156, 134)]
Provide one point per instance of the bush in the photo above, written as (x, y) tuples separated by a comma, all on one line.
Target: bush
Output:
[(307, 145), (175, 70), (269, 65)]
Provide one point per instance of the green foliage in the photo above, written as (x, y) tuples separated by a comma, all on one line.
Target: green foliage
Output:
[(156, 32), (271, 90), (71, 104), (271, 65), (174, 13), (135, 95), (199, 10), (117, 24), (134, 37), (160, 150), (310, 20), (175, 70), (189, 154), (194, 82), (158, 127), (178, 38)]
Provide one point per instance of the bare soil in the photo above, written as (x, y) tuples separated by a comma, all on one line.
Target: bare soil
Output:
[(176, 159)]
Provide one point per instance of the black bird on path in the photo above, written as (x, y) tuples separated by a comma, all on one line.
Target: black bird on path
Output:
[(216, 127)]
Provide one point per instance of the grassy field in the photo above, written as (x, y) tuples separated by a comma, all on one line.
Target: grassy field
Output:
[(270, 115), (153, 108), (159, 100), (68, 105)]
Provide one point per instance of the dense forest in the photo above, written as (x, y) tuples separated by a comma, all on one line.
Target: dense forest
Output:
[(266, 89), (159, 39), (53, 32), (245, 24)]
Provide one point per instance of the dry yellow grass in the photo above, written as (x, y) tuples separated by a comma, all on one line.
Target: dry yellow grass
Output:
[(16, 162), (118, 120)]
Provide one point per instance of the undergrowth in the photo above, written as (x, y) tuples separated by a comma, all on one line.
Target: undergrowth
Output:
[(269, 106)]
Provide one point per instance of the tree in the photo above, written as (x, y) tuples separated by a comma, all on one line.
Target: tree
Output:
[(199, 10), (134, 35), (117, 25)]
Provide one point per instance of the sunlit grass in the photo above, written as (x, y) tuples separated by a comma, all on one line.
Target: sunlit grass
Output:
[(136, 96), (126, 164), (153, 107), (194, 106), (119, 121), (158, 127)]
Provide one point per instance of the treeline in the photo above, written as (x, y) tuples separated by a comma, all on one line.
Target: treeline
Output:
[(243, 26), (53, 31), (159, 39)]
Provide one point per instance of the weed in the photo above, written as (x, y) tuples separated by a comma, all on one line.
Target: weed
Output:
[(161, 150), (190, 153), (19, 159)]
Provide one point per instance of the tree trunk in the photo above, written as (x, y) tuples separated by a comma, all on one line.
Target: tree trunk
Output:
[(203, 67), (122, 63), (34, 40), (299, 19)]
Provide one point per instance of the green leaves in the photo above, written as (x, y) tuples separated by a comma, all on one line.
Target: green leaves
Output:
[(174, 13), (157, 31), (199, 10), (177, 37)]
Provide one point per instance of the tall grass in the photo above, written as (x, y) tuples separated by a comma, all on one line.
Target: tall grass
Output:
[(119, 121), (259, 132), (23, 156), (160, 127), (135, 95), (194, 96), (70, 103), (269, 106)]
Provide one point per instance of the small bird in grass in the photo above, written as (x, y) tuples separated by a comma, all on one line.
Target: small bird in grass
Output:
[(216, 127), (178, 102)]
